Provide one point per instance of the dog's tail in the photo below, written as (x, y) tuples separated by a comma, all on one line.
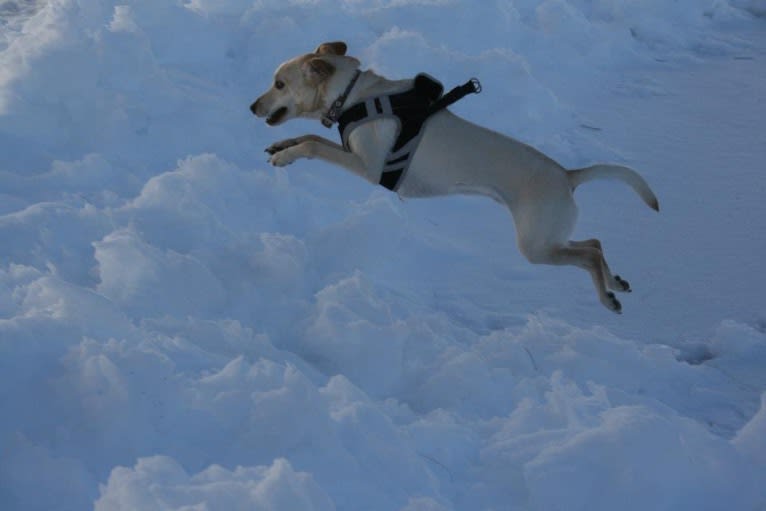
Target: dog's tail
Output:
[(625, 174)]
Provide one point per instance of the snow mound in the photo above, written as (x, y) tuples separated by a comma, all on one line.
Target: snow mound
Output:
[(159, 483)]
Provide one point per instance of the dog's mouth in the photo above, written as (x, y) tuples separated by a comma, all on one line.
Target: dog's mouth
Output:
[(276, 116)]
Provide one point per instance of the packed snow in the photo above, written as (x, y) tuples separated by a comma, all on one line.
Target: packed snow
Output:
[(184, 327)]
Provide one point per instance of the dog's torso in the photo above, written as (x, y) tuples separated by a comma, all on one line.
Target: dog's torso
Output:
[(457, 156)]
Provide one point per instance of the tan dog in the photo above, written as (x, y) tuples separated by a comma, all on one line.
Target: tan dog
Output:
[(453, 156)]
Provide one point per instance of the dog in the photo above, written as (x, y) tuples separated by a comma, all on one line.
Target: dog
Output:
[(453, 156)]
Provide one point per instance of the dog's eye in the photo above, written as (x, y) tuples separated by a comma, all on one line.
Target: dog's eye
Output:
[(279, 84)]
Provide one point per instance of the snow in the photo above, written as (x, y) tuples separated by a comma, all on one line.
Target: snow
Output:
[(183, 327)]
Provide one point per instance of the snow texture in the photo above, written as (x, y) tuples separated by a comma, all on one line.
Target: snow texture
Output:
[(183, 327)]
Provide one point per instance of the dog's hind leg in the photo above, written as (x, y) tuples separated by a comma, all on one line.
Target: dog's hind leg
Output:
[(586, 257), (543, 228), (613, 282)]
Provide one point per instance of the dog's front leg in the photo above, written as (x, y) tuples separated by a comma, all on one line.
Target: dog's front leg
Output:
[(289, 142), (313, 146)]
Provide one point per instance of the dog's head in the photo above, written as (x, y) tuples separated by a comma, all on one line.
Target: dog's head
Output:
[(306, 85)]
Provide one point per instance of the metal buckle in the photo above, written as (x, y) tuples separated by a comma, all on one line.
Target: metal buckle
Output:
[(476, 85)]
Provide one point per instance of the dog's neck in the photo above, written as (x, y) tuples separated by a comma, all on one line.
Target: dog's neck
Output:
[(368, 85)]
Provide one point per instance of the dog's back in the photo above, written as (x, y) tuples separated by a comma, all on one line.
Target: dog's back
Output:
[(457, 156)]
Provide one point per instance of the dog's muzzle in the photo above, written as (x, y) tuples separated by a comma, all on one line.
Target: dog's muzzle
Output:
[(271, 119)]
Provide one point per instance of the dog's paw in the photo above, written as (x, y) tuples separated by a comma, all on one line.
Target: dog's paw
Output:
[(612, 303), (621, 284), (283, 158), (277, 147)]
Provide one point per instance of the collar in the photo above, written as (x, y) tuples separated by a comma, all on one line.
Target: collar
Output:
[(332, 115)]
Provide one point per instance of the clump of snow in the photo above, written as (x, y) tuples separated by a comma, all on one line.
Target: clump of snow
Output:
[(183, 327), (160, 483)]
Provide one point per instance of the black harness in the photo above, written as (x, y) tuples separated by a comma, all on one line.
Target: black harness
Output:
[(411, 109)]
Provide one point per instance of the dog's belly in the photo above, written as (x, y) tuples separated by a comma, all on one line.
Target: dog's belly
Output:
[(456, 156)]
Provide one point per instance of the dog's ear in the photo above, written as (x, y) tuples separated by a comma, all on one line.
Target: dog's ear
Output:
[(333, 48), (317, 70)]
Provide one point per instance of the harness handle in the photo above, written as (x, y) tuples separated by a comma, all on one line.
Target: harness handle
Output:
[(472, 86)]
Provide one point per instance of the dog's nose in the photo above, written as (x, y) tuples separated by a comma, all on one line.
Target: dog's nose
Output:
[(255, 106)]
